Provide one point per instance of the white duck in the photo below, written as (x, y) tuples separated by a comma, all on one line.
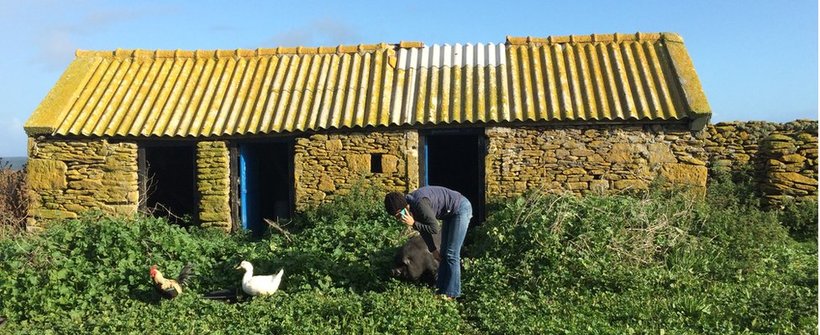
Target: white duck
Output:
[(259, 285)]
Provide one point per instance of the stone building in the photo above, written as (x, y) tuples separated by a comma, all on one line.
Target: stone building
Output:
[(229, 137)]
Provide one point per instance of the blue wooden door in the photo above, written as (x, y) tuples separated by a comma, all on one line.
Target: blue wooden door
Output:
[(249, 188)]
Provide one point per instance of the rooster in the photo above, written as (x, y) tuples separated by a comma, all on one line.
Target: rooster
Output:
[(170, 288)]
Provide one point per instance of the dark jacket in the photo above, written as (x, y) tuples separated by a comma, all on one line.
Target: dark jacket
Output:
[(430, 204)]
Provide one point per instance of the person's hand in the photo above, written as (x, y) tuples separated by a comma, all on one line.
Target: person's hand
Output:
[(437, 255), (407, 218)]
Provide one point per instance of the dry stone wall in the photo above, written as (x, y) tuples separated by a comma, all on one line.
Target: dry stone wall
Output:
[(213, 184), (68, 177), (591, 159), (329, 165), (782, 157)]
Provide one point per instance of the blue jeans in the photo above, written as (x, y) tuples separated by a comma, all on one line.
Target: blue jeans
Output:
[(453, 232)]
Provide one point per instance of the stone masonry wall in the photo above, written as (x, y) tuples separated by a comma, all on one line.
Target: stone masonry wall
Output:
[(591, 159), (213, 177), (782, 156), (68, 177), (328, 165)]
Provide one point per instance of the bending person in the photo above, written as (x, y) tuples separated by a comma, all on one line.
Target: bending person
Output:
[(421, 210)]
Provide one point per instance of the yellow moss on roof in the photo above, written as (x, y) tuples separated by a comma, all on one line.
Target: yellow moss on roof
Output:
[(591, 78), (593, 38), (221, 53)]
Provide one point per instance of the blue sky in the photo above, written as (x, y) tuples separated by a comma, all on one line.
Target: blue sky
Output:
[(757, 60)]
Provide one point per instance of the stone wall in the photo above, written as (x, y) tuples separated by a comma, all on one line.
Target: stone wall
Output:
[(782, 157), (68, 177), (591, 159), (329, 165), (213, 177)]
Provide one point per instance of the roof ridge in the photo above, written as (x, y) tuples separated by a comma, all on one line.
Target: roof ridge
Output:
[(594, 38), (228, 53), (349, 49)]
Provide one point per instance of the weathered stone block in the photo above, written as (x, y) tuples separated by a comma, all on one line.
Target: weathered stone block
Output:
[(793, 177), (620, 153), (358, 162), (793, 158), (685, 174), (779, 138), (741, 158), (86, 184), (581, 152), (213, 216), (326, 184), (575, 171), (46, 174), (581, 185), (660, 153), (333, 145), (390, 164), (50, 214), (599, 186), (692, 160), (630, 184), (75, 208)]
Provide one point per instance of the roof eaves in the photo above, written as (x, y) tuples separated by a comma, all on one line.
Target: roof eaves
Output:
[(51, 111), (698, 106)]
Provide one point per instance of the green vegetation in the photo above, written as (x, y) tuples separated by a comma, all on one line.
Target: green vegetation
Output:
[(540, 264)]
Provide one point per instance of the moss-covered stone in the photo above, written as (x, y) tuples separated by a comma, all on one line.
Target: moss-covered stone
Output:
[(46, 174), (52, 214), (685, 174), (660, 153)]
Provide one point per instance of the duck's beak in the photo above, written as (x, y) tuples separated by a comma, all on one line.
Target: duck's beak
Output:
[(238, 267)]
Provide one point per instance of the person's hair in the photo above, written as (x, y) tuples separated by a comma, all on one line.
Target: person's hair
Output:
[(394, 202)]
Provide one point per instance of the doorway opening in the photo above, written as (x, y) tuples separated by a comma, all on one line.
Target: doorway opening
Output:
[(168, 182), (265, 184), (455, 159)]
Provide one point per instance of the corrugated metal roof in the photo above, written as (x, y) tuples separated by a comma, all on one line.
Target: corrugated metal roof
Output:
[(238, 92)]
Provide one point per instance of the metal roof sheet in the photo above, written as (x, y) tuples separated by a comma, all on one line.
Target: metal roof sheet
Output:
[(175, 93)]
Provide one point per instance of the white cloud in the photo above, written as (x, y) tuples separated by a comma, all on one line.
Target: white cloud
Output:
[(57, 40), (326, 31)]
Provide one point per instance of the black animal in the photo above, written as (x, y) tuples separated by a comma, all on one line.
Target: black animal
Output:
[(415, 263)]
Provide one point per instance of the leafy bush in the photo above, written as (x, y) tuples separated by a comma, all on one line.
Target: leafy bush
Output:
[(800, 218), (664, 261), (540, 264)]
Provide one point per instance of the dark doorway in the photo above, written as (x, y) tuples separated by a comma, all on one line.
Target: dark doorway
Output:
[(455, 159), (265, 184), (168, 180)]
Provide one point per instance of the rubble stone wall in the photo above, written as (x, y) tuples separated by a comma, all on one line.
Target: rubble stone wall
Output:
[(68, 177), (329, 165), (213, 182), (591, 159), (782, 157)]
